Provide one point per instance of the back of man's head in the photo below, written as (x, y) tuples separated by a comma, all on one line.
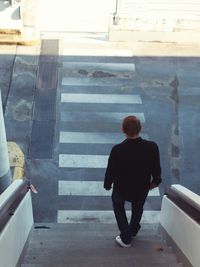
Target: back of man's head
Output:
[(131, 126)]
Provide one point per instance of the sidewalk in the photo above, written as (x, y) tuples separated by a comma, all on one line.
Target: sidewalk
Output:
[(18, 70)]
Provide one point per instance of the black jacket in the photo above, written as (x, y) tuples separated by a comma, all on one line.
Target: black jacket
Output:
[(132, 166)]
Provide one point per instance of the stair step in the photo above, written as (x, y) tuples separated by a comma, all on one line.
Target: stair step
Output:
[(26, 37), (9, 31), (100, 243), (114, 256), (115, 265), (55, 232), (146, 228), (93, 245)]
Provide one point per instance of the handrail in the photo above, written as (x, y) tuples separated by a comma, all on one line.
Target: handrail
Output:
[(181, 197), (10, 204)]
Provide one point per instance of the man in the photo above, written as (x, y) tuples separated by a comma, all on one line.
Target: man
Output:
[(133, 169)]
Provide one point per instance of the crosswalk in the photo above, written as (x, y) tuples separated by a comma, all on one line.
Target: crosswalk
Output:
[(88, 188), (93, 103)]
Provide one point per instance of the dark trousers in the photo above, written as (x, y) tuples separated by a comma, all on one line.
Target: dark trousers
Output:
[(127, 229)]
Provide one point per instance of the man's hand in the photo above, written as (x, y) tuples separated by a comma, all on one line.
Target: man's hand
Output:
[(152, 186), (108, 188)]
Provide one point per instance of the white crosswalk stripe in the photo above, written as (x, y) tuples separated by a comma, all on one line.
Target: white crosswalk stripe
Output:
[(98, 52), (93, 138), (92, 81), (100, 98), (93, 66), (94, 117), (83, 161), (90, 138), (88, 188)]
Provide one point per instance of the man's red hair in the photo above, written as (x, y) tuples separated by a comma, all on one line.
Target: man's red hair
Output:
[(131, 126)]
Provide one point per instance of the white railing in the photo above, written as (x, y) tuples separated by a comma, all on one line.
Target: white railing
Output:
[(180, 219), (16, 221)]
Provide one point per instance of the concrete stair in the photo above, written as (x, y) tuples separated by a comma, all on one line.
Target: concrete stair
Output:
[(92, 244), (27, 37)]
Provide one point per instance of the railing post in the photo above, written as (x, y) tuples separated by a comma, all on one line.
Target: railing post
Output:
[(115, 15), (12, 2), (5, 173)]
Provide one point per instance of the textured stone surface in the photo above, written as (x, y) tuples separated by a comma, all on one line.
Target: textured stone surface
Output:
[(93, 244)]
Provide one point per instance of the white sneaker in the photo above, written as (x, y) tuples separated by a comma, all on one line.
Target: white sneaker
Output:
[(121, 243)]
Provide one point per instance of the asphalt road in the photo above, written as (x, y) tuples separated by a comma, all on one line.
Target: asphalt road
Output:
[(72, 104)]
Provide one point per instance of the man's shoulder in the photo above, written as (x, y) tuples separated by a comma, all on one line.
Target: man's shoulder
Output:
[(118, 146), (149, 143), (142, 142)]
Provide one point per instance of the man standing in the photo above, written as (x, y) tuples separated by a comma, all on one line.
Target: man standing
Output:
[(133, 169)]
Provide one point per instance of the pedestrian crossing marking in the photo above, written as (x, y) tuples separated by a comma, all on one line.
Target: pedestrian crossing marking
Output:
[(98, 52), (98, 81), (81, 75), (102, 216), (89, 188), (105, 66), (83, 161), (100, 98), (97, 117), (93, 138)]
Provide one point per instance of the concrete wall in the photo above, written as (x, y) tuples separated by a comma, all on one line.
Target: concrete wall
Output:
[(164, 21), (165, 9)]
